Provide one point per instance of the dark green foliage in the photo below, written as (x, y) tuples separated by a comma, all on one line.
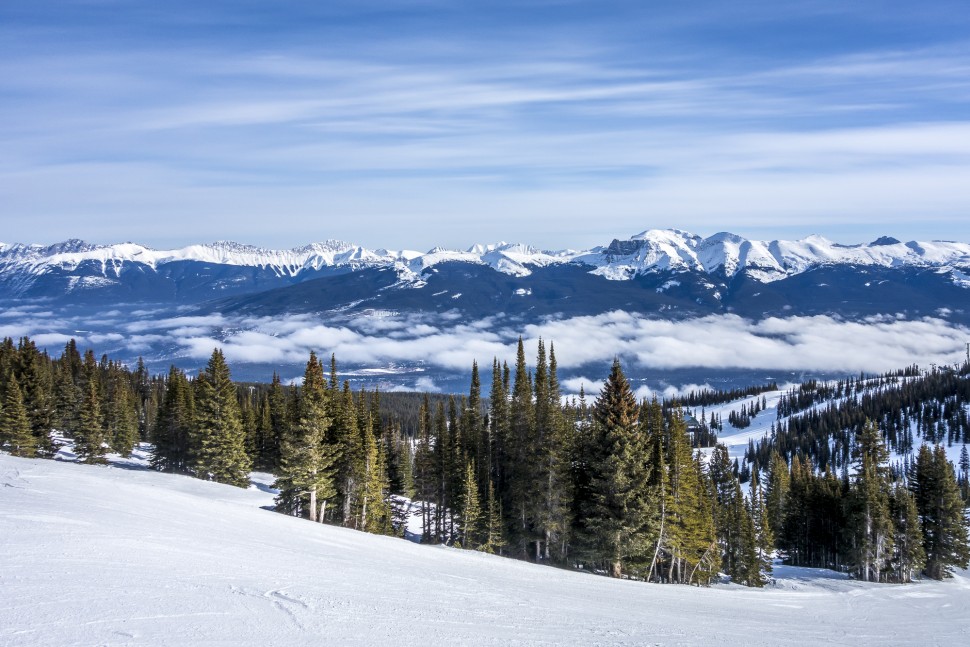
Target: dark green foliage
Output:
[(908, 557), (172, 434), (16, 435), (941, 513), (89, 438), (307, 455), (221, 454), (618, 516), (868, 526), (121, 412)]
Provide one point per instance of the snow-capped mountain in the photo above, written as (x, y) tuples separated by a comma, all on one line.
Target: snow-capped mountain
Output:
[(670, 272)]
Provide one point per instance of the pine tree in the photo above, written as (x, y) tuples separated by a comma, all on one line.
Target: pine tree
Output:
[(306, 475), (348, 452), (89, 437), (424, 469), (15, 432), (279, 422), (471, 510), (690, 533), (762, 528), (618, 521), (941, 513), (908, 558), (495, 539), (121, 415), (173, 431), (869, 528), (518, 492), (375, 512), (34, 375), (221, 446), (776, 493)]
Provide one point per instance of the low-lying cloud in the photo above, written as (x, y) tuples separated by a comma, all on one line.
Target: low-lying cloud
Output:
[(717, 342)]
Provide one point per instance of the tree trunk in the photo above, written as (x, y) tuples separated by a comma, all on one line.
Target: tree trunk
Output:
[(616, 569), (313, 505)]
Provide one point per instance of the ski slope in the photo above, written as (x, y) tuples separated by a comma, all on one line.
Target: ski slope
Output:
[(123, 556)]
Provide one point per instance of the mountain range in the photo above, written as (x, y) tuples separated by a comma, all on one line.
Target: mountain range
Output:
[(666, 273)]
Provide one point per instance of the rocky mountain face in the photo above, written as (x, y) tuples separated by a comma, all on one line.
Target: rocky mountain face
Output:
[(667, 273)]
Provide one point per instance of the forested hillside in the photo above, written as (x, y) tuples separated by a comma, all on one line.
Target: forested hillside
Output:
[(619, 486)]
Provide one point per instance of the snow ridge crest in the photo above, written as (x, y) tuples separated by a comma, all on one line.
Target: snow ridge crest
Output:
[(652, 250)]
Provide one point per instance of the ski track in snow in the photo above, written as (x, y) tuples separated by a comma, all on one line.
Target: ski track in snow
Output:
[(124, 556)]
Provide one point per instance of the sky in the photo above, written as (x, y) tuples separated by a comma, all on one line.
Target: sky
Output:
[(411, 124)]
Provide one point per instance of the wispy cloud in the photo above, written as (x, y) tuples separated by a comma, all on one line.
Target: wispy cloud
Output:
[(630, 115)]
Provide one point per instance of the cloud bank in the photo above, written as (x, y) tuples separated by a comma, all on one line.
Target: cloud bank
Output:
[(444, 342)]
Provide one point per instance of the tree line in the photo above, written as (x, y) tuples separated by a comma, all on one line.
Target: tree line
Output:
[(612, 486)]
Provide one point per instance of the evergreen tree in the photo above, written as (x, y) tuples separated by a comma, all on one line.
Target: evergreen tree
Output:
[(908, 557), (173, 431), (941, 513), (776, 493), (375, 511), (869, 528), (424, 472), (221, 446), (471, 511), (494, 540), (34, 374), (690, 534), (306, 476), (121, 413), (618, 520), (89, 437), (15, 433), (348, 453), (519, 490), (764, 537)]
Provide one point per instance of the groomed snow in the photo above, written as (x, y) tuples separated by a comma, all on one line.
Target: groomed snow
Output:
[(123, 556)]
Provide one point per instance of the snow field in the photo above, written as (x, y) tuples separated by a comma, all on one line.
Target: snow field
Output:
[(123, 556)]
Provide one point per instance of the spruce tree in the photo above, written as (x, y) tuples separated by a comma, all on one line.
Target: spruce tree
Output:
[(121, 414), (776, 492), (908, 557), (690, 533), (495, 539), (306, 474), (221, 446), (618, 521), (869, 528), (173, 431), (89, 437), (15, 433), (471, 510), (941, 513), (36, 383), (519, 493)]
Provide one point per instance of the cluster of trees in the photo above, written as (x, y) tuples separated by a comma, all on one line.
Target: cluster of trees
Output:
[(878, 525), (711, 397), (741, 418), (98, 403), (612, 486), (821, 421)]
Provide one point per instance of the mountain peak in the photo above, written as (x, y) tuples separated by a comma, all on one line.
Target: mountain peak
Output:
[(883, 241)]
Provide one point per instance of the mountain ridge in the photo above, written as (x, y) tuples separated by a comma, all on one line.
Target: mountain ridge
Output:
[(652, 250)]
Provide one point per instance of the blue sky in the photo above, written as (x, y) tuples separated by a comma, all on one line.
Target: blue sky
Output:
[(414, 124)]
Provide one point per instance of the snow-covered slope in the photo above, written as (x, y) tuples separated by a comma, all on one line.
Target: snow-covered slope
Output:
[(765, 261), (109, 556)]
